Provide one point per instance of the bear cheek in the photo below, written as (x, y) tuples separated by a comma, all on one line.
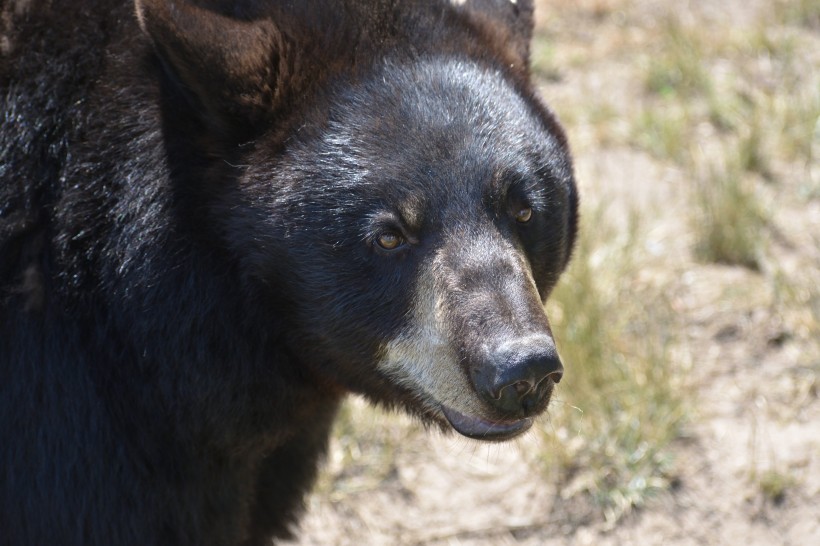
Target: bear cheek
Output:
[(346, 310)]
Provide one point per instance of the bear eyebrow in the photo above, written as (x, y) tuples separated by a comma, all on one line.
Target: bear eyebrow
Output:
[(387, 219), (411, 214), (532, 186)]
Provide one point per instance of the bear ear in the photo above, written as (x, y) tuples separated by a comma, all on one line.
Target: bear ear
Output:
[(234, 67), (511, 21)]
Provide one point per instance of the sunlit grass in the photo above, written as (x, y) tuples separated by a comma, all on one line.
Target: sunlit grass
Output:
[(363, 449), (798, 12), (542, 59), (798, 118), (732, 130), (774, 484), (728, 220), (676, 80), (664, 131), (678, 67), (620, 405)]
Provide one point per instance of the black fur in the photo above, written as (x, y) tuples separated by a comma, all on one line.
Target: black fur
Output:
[(189, 274)]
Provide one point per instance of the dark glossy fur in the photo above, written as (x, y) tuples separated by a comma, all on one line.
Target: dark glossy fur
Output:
[(185, 289)]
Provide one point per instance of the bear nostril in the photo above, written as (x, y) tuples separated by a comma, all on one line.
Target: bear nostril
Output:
[(522, 387), (555, 375)]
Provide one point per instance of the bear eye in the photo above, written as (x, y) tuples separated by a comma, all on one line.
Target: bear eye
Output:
[(523, 215), (389, 240)]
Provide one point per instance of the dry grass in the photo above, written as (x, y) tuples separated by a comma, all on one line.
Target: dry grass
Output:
[(621, 404), (714, 106), (729, 219)]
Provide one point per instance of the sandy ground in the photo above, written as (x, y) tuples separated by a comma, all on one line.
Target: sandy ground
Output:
[(754, 374)]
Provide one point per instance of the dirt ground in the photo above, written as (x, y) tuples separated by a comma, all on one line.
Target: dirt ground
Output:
[(747, 466)]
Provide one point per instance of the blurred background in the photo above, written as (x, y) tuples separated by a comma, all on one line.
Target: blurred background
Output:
[(689, 321)]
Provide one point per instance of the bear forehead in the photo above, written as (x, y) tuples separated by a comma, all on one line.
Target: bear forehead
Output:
[(435, 94), (440, 122)]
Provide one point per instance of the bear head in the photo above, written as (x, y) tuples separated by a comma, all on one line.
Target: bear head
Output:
[(401, 201)]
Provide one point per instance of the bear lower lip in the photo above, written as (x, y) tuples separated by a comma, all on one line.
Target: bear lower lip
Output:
[(479, 428)]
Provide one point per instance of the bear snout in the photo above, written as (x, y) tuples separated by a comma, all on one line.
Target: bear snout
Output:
[(517, 378)]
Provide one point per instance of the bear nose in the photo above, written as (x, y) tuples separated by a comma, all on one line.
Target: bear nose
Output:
[(516, 371)]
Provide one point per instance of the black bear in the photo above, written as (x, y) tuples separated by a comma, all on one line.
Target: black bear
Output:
[(219, 217)]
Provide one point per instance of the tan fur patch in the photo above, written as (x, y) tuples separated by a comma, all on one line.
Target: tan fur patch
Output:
[(423, 359)]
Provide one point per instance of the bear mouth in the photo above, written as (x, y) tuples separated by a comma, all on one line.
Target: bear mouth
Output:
[(486, 430)]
